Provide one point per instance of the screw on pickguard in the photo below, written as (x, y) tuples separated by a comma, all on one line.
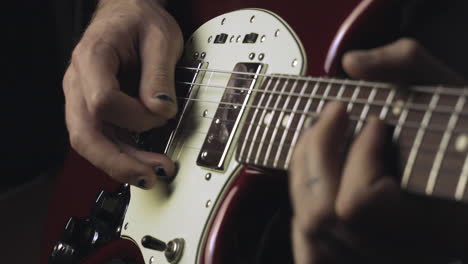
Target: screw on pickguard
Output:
[(82, 237)]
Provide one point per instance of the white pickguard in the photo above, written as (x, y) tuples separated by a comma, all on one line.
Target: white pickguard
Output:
[(183, 209)]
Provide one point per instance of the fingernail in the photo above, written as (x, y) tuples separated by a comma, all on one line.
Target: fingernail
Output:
[(161, 174), (142, 183), (164, 97)]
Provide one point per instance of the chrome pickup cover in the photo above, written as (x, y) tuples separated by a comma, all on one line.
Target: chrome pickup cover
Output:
[(228, 115)]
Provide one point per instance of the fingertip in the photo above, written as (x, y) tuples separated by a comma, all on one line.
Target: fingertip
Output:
[(357, 64)]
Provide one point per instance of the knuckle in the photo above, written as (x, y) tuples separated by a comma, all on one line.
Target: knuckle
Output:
[(75, 140), (98, 101), (346, 208)]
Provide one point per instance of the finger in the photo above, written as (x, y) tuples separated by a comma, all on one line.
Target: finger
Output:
[(159, 56), (403, 61), (87, 139), (97, 65), (363, 181), (316, 169)]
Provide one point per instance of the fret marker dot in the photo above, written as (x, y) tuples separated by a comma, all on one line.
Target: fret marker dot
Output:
[(285, 121), (461, 143), (267, 119), (398, 107)]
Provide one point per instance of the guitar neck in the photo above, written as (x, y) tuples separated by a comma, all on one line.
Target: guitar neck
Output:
[(429, 126)]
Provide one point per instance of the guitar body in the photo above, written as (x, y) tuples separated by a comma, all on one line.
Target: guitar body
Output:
[(235, 214)]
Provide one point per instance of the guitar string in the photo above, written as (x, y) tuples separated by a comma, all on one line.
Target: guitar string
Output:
[(448, 90), (286, 144), (312, 114), (359, 101)]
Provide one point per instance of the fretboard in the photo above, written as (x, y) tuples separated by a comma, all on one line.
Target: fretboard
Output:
[(430, 127)]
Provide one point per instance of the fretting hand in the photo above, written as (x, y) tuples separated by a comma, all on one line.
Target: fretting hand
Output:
[(346, 209)]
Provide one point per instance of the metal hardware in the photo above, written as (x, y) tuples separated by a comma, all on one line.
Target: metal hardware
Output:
[(126, 226), (252, 56), (208, 204), (151, 260), (195, 55), (238, 38), (203, 55), (252, 19), (223, 21), (174, 250), (294, 63), (261, 56), (208, 176), (210, 39), (232, 38), (223, 132), (205, 113), (262, 39), (277, 32)]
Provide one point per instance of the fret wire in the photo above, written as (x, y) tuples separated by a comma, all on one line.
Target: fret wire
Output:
[(380, 85), (365, 110), (353, 99), (288, 124), (417, 141), (255, 115), (322, 99), (461, 186), (279, 121), (416, 107), (262, 117), (288, 127), (272, 115), (402, 119), (388, 101), (443, 146), (301, 122)]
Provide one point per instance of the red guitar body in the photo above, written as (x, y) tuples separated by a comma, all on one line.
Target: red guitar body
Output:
[(327, 29)]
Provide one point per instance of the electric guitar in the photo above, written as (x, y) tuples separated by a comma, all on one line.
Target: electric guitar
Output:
[(244, 103)]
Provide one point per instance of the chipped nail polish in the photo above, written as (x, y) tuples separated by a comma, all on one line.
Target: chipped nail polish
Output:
[(164, 97), (161, 174), (142, 183)]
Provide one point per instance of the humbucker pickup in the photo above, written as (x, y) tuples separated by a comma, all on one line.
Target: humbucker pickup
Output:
[(226, 120)]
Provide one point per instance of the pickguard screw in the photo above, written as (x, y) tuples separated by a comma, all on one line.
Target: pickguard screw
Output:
[(261, 56), (151, 260), (262, 39), (231, 39), (252, 56), (205, 113), (208, 204), (294, 63), (203, 55), (126, 226), (209, 39), (204, 154), (223, 21), (195, 55), (238, 38), (208, 176), (277, 33), (252, 19)]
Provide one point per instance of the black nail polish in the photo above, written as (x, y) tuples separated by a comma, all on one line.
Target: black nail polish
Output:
[(165, 97), (160, 172), (142, 183)]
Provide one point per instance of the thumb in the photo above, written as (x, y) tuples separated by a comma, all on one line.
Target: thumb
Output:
[(403, 61), (159, 55)]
